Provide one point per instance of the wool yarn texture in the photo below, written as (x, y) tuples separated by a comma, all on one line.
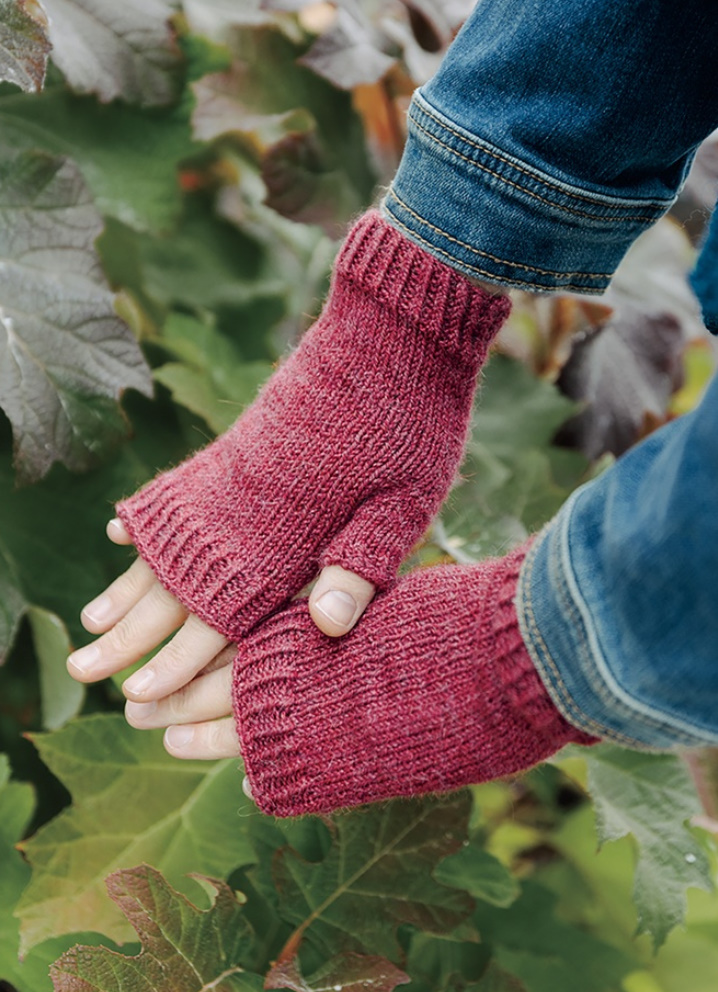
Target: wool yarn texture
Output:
[(433, 690), (347, 452)]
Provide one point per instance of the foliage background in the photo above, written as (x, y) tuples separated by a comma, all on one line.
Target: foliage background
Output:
[(173, 187)]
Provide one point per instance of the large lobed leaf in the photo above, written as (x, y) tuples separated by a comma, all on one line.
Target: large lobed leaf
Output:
[(65, 357), (625, 372), (377, 875), (184, 949), (652, 797), (131, 802), (24, 45), (116, 50)]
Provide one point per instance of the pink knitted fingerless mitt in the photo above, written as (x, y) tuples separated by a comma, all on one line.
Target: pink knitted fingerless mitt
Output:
[(346, 454), (433, 690)]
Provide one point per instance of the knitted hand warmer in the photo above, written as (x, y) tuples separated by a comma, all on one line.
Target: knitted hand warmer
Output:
[(347, 452), (432, 690)]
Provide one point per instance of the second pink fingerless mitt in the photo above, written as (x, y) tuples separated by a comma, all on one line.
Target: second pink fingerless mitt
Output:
[(432, 690)]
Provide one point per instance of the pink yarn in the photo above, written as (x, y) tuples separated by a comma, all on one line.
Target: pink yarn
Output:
[(346, 454), (431, 691)]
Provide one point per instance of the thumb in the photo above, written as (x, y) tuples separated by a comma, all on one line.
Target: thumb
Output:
[(338, 600)]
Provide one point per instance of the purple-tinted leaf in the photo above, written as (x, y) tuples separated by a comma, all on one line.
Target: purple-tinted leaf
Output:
[(344, 973), (625, 373), (183, 948), (349, 53), (122, 50), (65, 357), (24, 44), (428, 24), (303, 186)]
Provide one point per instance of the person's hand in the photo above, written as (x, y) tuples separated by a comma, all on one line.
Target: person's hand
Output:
[(198, 717), (136, 613)]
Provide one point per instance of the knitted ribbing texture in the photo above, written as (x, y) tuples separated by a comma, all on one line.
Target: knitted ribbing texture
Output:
[(347, 452), (433, 690)]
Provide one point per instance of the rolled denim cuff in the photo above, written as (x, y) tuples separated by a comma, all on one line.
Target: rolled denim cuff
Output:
[(502, 220), (576, 664)]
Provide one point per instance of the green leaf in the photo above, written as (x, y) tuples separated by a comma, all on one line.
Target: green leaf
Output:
[(263, 103), (480, 874), (16, 806), (131, 802), (114, 51), (65, 357), (128, 157), (214, 381), (61, 696), (54, 531), (205, 264), (377, 875), (445, 964), (652, 797), (24, 45), (12, 603), (545, 953), (184, 948), (495, 979), (513, 481), (345, 973)]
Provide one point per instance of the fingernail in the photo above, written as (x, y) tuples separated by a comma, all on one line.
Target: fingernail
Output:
[(98, 609), (179, 737), (85, 659), (116, 525), (139, 683), (338, 606), (247, 788)]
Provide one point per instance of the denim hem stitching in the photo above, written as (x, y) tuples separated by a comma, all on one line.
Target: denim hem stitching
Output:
[(420, 104), (604, 682), (551, 675), (505, 181), (517, 281), (543, 661), (495, 258)]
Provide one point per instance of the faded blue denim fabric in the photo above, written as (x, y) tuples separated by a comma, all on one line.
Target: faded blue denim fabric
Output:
[(705, 276), (618, 598), (554, 133)]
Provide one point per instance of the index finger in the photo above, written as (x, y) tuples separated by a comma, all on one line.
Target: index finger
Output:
[(118, 599)]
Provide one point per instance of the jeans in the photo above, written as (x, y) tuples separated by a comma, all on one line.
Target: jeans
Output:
[(553, 134)]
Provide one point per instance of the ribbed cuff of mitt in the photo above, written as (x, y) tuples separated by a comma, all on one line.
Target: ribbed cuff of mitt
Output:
[(369, 413), (433, 690)]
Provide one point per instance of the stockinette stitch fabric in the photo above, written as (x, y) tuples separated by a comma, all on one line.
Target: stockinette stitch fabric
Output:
[(346, 454), (433, 690)]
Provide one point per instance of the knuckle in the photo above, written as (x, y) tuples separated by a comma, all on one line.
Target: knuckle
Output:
[(180, 705), (122, 637), (174, 658)]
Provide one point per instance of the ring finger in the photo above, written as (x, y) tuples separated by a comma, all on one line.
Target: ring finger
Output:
[(206, 741), (205, 698)]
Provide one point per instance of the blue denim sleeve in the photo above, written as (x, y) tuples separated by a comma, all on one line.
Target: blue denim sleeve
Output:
[(617, 600), (553, 134)]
